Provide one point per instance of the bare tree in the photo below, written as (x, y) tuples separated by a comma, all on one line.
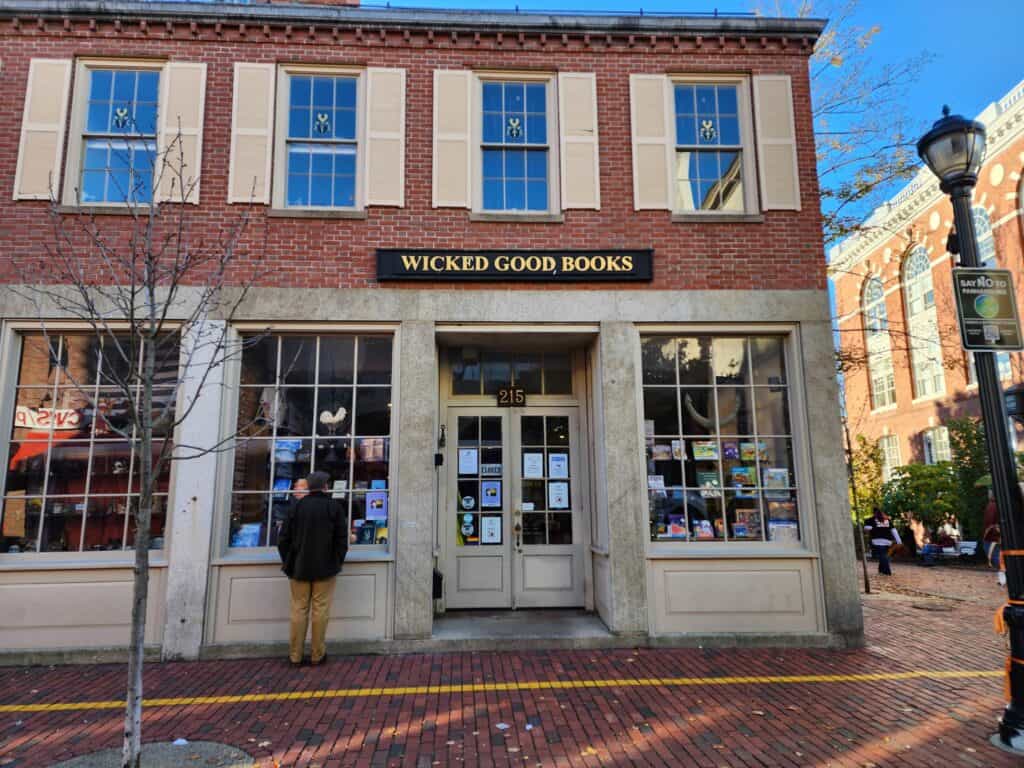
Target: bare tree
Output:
[(157, 291), (864, 139)]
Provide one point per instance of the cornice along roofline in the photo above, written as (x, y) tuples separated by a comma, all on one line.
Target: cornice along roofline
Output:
[(1004, 122), (480, 21)]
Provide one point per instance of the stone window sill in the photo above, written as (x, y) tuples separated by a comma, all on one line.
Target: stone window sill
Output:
[(314, 213), (142, 209), (519, 218), (717, 218)]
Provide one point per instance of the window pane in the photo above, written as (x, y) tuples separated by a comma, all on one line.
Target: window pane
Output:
[(735, 411), (769, 361), (19, 527), (465, 364), (101, 83), (661, 408), (783, 518), (252, 465), (658, 359), (557, 373), (493, 128), (334, 408), (373, 411), (374, 360), (497, 371), (772, 411), (705, 514), (334, 456), (699, 412), (536, 98), (298, 359), (494, 197), (695, 360), (743, 513), (527, 373), (515, 195), (301, 90), (537, 196), (62, 525), (730, 360), (492, 97), (249, 513), (336, 359)]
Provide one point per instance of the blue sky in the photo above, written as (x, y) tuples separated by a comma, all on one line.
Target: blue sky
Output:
[(980, 70)]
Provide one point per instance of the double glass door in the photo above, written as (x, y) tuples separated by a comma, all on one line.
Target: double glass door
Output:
[(512, 515)]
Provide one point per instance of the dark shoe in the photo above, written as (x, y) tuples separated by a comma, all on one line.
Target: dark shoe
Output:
[(318, 662), (295, 663)]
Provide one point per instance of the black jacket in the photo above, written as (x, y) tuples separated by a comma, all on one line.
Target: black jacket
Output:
[(314, 538)]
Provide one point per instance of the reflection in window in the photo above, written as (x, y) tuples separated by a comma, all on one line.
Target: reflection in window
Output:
[(709, 149), (923, 325), (936, 445), (515, 146), (876, 330), (73, 471), (321, 141), (718, 439), (477, 371), (119, 142), (311, 403), (890, 448)]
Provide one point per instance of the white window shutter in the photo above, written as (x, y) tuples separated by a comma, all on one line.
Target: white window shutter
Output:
[(181, 132), (385, 137), (37, 176), (653, 141), (577, 133), (451, 167), (252, 131), (777, 169)]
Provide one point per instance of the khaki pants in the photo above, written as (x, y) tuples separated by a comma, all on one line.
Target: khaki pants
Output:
[(307, 594)]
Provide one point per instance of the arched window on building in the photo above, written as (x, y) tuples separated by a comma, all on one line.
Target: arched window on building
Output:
[(922, 325), (876, 332), (987, 258)]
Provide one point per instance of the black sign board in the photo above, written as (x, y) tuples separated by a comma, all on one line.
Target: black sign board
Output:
[(511, 395), (514, 266), (987, 308)]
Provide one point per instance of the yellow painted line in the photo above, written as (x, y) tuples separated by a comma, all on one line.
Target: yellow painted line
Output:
[(529, 685)]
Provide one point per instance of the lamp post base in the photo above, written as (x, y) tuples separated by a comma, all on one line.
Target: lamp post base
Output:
[(996, 740)]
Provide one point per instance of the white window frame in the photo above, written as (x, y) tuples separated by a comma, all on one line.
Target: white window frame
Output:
[(923, 328), (889, 445), (935, 442), (279, 180), (476, 137), (748, 151), (74, 157), (881, 374)]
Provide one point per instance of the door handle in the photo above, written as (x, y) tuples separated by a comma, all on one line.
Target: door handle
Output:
[(517, 529)]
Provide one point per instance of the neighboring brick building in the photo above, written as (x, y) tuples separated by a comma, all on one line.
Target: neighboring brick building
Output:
[(635, 202), (903, 385)]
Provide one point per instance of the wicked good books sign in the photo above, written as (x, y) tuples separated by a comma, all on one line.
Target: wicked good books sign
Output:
[(512, 266), (987, 308)]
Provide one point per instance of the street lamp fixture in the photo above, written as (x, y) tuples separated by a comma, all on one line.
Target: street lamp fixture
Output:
[(954, 149)]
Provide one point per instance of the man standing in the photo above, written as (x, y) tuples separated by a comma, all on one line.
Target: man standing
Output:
[(992, 538), (313, 543)]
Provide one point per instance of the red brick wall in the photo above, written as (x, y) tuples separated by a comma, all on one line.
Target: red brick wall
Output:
[(908, 419), (783, 252)]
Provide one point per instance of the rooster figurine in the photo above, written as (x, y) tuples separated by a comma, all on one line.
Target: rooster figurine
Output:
[(333, 420)]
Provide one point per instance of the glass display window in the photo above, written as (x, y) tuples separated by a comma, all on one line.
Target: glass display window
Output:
[(73, 468), (312, 403), (718, 439)]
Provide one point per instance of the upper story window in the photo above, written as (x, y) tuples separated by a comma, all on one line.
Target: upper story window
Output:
[(322, 141), (515, 145), (922, 325), (983, 232), (876, 329), (119, 140), (709, 148)]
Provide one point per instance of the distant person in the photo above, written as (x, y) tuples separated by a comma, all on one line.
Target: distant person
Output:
[(883, 536), (313, 544), (992, 538), (300, 489)]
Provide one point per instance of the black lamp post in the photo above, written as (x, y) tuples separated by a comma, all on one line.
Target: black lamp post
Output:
[(954, 149)]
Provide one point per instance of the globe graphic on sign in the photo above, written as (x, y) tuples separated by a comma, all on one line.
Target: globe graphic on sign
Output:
[(986, 306)]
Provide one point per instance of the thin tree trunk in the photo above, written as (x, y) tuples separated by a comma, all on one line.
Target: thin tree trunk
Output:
[(858, 531), (131, 754)]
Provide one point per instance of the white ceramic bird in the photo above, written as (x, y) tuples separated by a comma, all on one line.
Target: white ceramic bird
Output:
[(333, 420)]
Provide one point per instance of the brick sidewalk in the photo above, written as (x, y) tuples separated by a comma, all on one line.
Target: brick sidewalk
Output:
[(911, 722)]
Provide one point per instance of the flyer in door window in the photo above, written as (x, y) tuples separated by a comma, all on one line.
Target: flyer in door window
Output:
[(558, 465), (558, 495), (490, 529), (377, 505), (533, 465), (490, 494), (467, 461)]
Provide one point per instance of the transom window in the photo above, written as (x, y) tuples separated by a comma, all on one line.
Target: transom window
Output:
[(309, 403), (515, 146), (922, 323), (72, 476), (477, 371), (876, 329), (322, 141), (709, 148), (719, 441), (119, 141)]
